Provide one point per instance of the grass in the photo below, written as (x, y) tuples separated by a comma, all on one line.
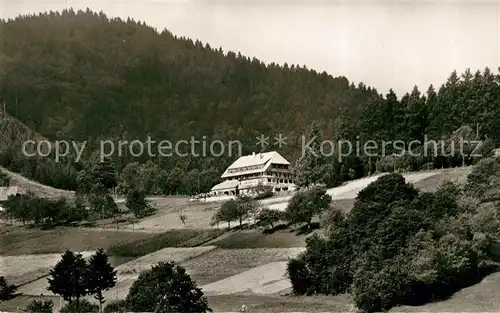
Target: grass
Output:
[(218, 264), (272, 304), (256, 239), (175, 238), (35, 241), (22, 301)]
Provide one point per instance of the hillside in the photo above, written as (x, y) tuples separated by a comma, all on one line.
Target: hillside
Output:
[(84, 76), (38, 189)]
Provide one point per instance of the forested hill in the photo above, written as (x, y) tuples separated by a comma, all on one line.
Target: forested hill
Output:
[(81, 75)]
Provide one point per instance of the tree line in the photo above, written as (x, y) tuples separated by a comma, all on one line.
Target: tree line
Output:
[(93, 201), (114, 79)]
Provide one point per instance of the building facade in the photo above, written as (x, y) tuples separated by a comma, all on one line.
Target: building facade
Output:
[(250, 171)]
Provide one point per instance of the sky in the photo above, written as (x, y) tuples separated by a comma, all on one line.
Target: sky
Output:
[(384, 44)]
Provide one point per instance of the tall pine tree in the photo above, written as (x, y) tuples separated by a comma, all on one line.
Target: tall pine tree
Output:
[(68, 277), (310, 166), (101, 276)]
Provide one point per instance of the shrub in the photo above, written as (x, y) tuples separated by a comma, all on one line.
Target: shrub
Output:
[(387, 163), (118, 306), (299, 275), (82, 306), (307, 203), (166, 287), (39, 306), (4, 179), (6, 290), (479, 180), (137, 203), (262, 191), (171, 238), (269, 217)]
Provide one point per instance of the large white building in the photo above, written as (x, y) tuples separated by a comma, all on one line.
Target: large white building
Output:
[(268, 168)]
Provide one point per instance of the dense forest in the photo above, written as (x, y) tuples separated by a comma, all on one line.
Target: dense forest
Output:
[(83, 76)]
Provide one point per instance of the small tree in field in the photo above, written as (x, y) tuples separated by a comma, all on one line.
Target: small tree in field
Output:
[(6, 290), (40, 306), (268, 217), (68, 277), (83, 306), (101, 276), (183, 218), (117, 306), (166, 287), (245, 208), (137, 203), (307, 203), (228, 212)]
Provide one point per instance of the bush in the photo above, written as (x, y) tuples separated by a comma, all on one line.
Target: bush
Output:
[(299, 275), (82, 306), (4, 179), (43, 212), (138, 205), (481, 177), (6, 290), (387, 163), (235, 210), (262, 192), (166, 287), (307, 203), (118, 306), (37, 306)]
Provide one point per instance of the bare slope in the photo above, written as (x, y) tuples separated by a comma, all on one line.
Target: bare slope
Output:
[(38, 189), (12, 135)]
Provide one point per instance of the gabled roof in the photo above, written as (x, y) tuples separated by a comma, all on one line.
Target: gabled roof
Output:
[(255, 163), (228, 184)]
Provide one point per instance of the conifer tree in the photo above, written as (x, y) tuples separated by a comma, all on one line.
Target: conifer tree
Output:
[(101, 276), (310, 167), (67, 278)]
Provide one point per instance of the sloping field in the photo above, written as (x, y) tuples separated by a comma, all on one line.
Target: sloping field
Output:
[(219, 264), (274, 304), (37, 188), (482, 297), (128, 272), (168, 254), (249, 239), (21, 269), (351, 189), (456, 175), (265, 279), (57, 241)]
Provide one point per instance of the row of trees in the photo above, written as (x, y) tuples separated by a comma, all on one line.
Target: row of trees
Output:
[(93, 201), (166, 287), (42, 212), (302, 207), (399, 246)]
